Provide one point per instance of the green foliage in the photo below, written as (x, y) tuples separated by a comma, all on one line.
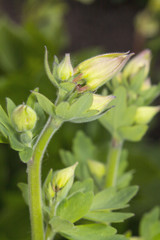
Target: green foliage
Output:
[(119, 121), (81, 203), (150, 225)]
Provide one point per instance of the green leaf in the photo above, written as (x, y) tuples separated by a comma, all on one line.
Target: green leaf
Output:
[(112, 199), (3, 139), (85, 186), (82, 232), (129, 116), (15, 144), (4, 120), (81, 105), (125, 179), (62, 110), (45, 185), (45, 103), (26, 154), (83, 149), (61, 225), (133, 133), (107, 217), (74, 112), (41, 119), (10, 107), (24, 189), (32, 98), (137, 80), (75, 207), (67, 86), (90, 231), (4, 131), (150, 224), (114, 118), (48, 71)]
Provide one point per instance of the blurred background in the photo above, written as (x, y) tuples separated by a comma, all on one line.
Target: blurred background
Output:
[(83, 28)]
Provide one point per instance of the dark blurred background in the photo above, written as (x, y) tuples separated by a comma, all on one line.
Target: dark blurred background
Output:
[(84, 28)]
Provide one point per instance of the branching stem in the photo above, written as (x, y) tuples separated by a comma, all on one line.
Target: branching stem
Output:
[(34, 178)]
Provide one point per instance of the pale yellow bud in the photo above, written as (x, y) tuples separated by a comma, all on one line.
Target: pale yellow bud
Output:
[(61, 177), (145, 114), (98, 70), (146, 84), (24, 118), (135, 64), (65, 69), (101, 102), (96, 168)]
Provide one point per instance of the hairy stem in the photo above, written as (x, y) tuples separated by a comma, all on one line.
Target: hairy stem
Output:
[(34, 178), (113, 162)]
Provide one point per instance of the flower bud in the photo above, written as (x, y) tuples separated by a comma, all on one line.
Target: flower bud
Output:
[(100, 102), (98, 70), (146, 84), (145, 114), (61, 177), (141, 60), (65, 69), (96, 168), (26, 137), (24, 118)]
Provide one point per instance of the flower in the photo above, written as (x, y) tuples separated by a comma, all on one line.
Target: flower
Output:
[(61, 177), (65, 69), (96, 71), (96, 168), (100, 102), (143, 59), (145, 114), (24, 118)]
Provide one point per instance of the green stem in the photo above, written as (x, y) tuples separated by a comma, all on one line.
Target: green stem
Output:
[(113, 162), (34, 178)]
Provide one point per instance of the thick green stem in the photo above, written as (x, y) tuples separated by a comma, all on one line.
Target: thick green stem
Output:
[(113, 162), (34, 178)]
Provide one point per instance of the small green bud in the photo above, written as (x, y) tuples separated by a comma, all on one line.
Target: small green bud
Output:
[(98, 70), (24, 118), (135, 64), (96, 168), (61, 177), (100, 102), (145, 114), (26, 137), (65, 69)]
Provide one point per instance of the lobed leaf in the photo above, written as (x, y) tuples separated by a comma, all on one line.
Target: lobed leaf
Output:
[(112, 199), (45, 103), (75, 207)]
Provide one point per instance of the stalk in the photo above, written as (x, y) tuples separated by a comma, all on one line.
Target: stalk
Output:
[(34, 178), (113, 162)]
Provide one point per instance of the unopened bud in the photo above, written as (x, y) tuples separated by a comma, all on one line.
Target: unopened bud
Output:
[(146, 84), (145, 114), (141, 60), (26, 137), (100, 102), (65, 69), (98, 70), (24, 118), (96, 168), (62, 177)]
